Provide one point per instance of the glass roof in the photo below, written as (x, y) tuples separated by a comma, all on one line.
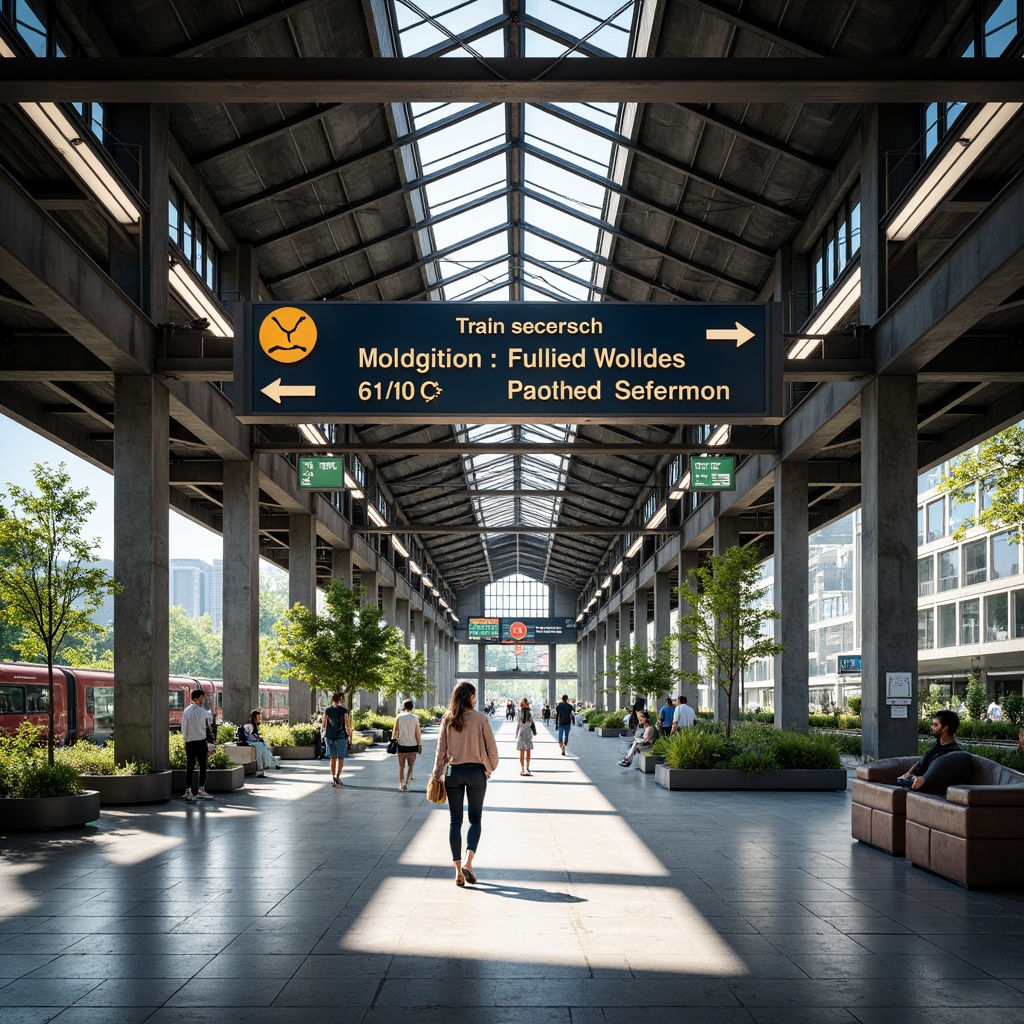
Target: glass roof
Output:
[(516, 197)]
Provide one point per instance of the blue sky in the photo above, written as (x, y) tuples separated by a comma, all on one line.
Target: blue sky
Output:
[(21, 449)]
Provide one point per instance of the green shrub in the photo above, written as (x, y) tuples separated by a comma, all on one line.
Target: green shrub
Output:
[(976, 730), (850, 721), (854, 704), (1013, 709), (303, 735), (425, 715), (614, 720), (226, 732), (975, 700), (88, 759), (846, 744), (753, 761), (697, 748), (39, 779), (279, 734), (823, 721)]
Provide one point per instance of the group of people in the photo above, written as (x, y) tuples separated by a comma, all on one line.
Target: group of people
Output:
[(672, 717)]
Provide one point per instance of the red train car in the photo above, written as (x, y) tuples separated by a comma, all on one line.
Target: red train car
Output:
[(84, 700)]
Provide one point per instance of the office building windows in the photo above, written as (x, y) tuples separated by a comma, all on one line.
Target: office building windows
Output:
[(996, 613), (925, 576), (1018, 614), (969, 628), (1005, 555), (936, 519), (947, 625), (975, 562), (948, 575), (925, 629)]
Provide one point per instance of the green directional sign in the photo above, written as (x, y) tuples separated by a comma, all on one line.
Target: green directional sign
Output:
[(712, 473), (321, 474)]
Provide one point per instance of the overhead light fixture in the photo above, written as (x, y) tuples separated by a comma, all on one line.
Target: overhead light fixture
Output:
[(436, 593), (443, 603), (682, 485), (579, 618), (399, 546), (427, 581), (606, 583), (350, 483), (617, 569), (829, 316), (414, 567), (312, 433), (453, 615), (598, 592), (634, 547), (720, 436), (659, 517), (89, 167), (193, 293), (377, 518), (950, 169)]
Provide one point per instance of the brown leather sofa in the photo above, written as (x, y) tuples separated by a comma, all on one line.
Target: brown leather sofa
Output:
[(973, 835), (879, 815)]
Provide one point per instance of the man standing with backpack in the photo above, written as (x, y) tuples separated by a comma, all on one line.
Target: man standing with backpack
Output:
[(196, 724), (564, 714)]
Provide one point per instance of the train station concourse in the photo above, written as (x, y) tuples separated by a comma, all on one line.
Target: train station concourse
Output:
[(510, 315)]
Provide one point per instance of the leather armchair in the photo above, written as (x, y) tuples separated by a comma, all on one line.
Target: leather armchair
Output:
[(879, 813)]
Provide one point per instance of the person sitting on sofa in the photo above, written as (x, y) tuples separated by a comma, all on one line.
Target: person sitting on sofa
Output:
[(944, 727)]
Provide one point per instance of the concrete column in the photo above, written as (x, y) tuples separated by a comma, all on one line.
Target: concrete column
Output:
[(889, 571), (662, 606), (371, 582), (430, 650), (582, 653), (301, 589), (552, 670), (141, 499), (390, 598), (241, 635), (688, 562), (727, 535), (403, 618), (600, 647), (609, 697), (791, 554), (640, 602), (625, 628), (481, 668), (341, 565)]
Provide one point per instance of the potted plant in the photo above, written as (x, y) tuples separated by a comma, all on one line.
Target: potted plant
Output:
[(35, 794), (131, 783)]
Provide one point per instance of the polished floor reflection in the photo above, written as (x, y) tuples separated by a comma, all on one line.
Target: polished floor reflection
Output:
[(600, 898)]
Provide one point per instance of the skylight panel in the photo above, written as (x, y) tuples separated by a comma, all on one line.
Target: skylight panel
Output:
[(492, 214), (418, 33)]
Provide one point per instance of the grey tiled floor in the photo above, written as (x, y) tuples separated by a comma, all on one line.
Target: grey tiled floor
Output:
[(602, 899)]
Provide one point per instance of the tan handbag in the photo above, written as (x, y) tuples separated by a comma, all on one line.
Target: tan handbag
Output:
[(436, 792)]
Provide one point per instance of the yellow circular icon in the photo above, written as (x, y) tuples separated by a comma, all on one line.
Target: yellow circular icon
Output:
[(288, 334)]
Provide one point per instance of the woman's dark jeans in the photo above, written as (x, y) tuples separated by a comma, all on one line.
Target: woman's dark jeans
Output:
[(469, 781)]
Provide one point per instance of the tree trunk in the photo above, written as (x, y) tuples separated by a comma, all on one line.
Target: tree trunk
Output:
[(49, 736)]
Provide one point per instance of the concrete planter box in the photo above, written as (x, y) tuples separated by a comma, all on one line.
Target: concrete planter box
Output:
[(30, 814), (245, 756), (218, 780), (730, 778), (130, 789), (294, 753), (611, 732), (648, 762)]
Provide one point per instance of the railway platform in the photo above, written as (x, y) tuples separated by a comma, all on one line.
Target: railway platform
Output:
[(600, 898)]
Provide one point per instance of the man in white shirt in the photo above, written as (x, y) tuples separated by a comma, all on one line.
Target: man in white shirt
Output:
[(995, 712), (684, 716), (194, 720)]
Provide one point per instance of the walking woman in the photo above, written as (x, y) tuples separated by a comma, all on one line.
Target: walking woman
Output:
[(466, 756), (410, 743), (525, 731)]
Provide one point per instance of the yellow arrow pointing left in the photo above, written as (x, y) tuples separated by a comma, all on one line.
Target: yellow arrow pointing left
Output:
[(276, 391)]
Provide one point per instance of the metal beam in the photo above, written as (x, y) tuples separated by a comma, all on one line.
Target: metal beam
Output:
[(765, 30), (241, 29), (510, 80), (520, 531), (576, 448)]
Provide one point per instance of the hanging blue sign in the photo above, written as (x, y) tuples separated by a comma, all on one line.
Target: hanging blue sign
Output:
[(436, 362)]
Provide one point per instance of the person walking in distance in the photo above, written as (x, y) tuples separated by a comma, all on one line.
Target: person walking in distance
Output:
[(410, 743), (666, 715), (337, 726), (564, 715), (684, 716), (194, 721), (466, 756), (525, 731)]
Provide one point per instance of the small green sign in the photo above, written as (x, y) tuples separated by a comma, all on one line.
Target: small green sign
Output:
[(712, 472), (320, 474)]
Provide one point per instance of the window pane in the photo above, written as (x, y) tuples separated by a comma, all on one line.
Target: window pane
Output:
[(947, 625), (996, 610), (969, 631), (1005, 555), (975, 563), (920, 527), (948, 570), (936, 520), (1018, 613), (925, 630), (12, 700), (1000, 28), (959, 513), (925, 576)]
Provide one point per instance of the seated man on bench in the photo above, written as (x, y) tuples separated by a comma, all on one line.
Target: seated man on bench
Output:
[(927, 774)]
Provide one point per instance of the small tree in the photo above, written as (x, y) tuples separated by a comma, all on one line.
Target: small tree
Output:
[(644, 670), (344, 650), (999, 465), (724, 626), (404, 672), (975, 698), (48, 586)]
